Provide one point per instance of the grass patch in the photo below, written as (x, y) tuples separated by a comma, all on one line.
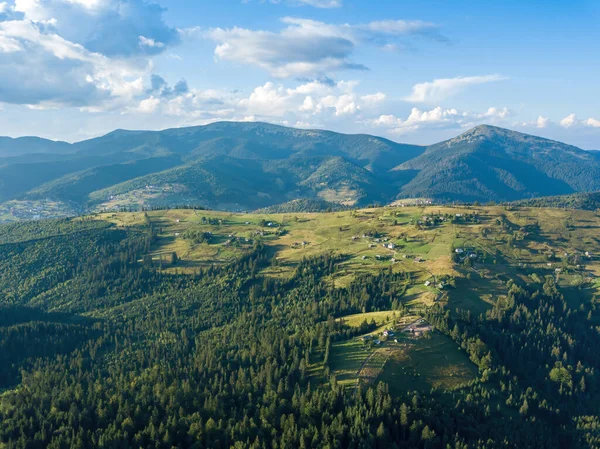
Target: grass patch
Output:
[(434, 362)]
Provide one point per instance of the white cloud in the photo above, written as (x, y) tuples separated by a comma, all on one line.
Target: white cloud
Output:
[(439, 118), (9, 45), (92, 54), (39, 67), (306, 100), (311, 104), (90, 4), (571, 121), (595, 123), (374, 99), (440, 89), (148, 105), (322, 3), (542, 122), (145, 41), (109, 27), (494, 114), (307, 47), (568, 121)]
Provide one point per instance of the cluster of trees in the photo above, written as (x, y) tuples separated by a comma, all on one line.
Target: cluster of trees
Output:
[(198, 236), (103, 351)]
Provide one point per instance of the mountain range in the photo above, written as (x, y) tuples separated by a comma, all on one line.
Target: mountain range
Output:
[(246, 166)]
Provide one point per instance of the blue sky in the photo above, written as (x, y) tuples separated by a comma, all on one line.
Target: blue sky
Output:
[(414, 72)]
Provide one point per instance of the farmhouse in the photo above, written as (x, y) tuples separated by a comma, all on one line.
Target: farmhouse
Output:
[(391, 246)]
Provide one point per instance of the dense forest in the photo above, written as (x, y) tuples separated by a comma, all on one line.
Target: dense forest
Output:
[(101, 348)]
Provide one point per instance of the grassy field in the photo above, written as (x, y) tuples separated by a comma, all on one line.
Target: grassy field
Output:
[(525, 245), (381, 318), (347, 359), (434, 362), (510, 244)]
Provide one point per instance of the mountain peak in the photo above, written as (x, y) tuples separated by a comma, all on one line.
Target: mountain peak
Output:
[(487, 131)]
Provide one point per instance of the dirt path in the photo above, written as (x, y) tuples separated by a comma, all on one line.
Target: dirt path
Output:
[(364, 364), (366, 361)]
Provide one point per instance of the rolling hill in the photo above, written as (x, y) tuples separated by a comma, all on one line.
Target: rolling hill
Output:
[(246, 166)]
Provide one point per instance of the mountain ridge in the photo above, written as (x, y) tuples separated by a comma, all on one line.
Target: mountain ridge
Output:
[(253, 165)]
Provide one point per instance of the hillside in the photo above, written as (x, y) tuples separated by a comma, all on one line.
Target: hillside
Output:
[(494, 164), (582, 201), (247, 166), (211, 329)]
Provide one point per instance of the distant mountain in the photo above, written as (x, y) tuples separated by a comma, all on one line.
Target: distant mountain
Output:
[(10, 147), (248, 166), (222, 165), (494, 164)]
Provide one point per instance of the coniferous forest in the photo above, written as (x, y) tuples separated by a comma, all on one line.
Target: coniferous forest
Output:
[(102, 348)]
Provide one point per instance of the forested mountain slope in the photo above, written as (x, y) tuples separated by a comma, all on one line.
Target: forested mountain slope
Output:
[(494, 164), (244, 166)]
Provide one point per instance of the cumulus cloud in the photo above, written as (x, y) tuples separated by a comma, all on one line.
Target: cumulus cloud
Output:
[(149, 42), (373, 100), (568, 121), (314, 103), (92, 54), (307, 47), (571, 121), (542, 122), (595, 123), (440, 89), (38, 67), (439, 118), (109, 27)]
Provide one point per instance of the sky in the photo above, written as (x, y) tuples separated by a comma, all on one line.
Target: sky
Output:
[(414, 72)]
